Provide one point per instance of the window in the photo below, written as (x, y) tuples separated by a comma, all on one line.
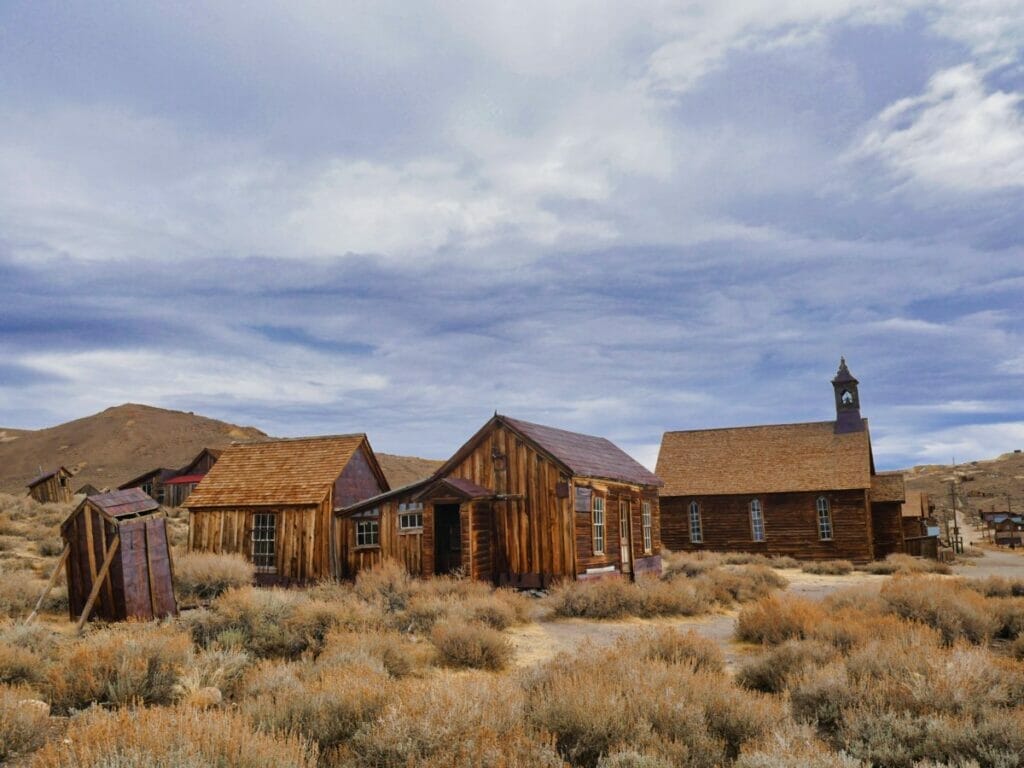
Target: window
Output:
[(696, 532), (623, 522), (756, 520), (645, 523), (410, 517), (824, 520), (598, 525), (367, 533), (264, 537)]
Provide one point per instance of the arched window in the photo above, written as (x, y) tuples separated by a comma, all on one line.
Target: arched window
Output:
[(696, 531), (756, 520), (824, 519)]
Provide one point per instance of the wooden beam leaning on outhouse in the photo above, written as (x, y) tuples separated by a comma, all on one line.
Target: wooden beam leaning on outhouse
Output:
[(50, 583), (98, 583)]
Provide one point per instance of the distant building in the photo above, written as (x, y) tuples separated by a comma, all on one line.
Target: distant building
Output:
[(178, 488), (52, 487), (273, 502), (519, 504), (152, 483), (809, 490)]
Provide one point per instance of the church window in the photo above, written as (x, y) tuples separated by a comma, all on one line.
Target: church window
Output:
[(824, 519), (696, 529), (756, 520)]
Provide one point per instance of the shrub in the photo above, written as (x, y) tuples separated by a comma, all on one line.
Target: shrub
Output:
[(616, 598), (827, 567), (18, 664), (955, 613), (23, 721), (205, 575), (388, 585), (674, 647), (50, 547), (996, 586), (400, 655), (796, 748), (777, 618), (1017, 648), (220, 668), (471, 645), (776, 670), (165, 736), (905, 564), (123, 664), (742, 584)]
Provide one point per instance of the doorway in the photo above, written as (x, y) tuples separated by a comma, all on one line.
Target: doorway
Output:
[(625, 541), (447, 538)]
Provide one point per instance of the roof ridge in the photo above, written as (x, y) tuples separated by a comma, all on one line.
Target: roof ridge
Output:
[(556, 429), (830, 422), (299, 439)]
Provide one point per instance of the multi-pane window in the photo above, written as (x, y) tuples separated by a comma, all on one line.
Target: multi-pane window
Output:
[(824, 519), (410, 516), (598, 525), (756, 520), (367, 533), (696, 531), (645, 524), (264, 540)]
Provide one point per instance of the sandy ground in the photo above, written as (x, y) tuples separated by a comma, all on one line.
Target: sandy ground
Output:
[(540, 641)]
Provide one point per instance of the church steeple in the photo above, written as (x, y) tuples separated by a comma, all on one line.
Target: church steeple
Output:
[(844, 386)]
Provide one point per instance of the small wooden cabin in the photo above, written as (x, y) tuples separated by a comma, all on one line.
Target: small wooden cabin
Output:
[(52, 487), (177, 489), (519, 504), (118, 556), (273, 501), (151, 483), (803, 490)]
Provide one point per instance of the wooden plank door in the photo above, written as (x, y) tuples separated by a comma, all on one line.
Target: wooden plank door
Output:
[(625, 541)]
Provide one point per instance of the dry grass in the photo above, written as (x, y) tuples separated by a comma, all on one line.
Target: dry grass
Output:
[(827, 567), (777, 618), (615, 598), (906, 565), (23, 721), (474, 646), (671, 646), (201, 576), (172, 736)]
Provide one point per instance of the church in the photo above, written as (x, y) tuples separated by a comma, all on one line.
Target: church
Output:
[(807, 490)]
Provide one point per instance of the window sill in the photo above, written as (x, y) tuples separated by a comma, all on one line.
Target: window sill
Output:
[(367, 546), (409, 530)]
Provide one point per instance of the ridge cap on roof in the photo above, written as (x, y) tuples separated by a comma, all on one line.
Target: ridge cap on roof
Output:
[(300, 439), (830, 422), (514, 420)]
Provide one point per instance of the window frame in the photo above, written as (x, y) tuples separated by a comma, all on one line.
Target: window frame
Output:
[(824, 519), (756, 522), (413, 511), (647, 526), (269, 548), (368, 529), (696, 523), (597, 527)]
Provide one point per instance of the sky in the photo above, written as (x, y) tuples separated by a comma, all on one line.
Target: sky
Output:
[(615, 218)]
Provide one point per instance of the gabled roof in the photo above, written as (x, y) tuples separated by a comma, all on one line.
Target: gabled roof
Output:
[(406, 490), (580, 455), (162, 473), (295, 471), (888, 486), (774, 458), (457, 486), (189, 468), (47, 475)]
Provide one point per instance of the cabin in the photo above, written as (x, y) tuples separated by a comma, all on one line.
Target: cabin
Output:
[(809, 491), (1008, 530), (117, 558), (151, 483), (178, 488), (273, 502), (519, 504), (52, 487)]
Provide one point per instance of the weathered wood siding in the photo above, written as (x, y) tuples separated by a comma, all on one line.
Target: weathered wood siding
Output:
[(357, 481), (302, 541), (53, 490), (139, 584), (614, 494), (404, 547), (790, 525), (887, 528)]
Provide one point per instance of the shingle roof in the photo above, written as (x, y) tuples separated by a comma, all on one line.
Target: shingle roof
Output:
[(774, 458), (132, 501), (46, 476), (586, 455), (888, 486), (297, 471), (461, 486)]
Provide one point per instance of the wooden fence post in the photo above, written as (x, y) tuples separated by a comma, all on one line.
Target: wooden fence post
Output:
[(98, 583)]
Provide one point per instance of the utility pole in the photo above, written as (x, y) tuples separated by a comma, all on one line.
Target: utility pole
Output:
[(957, 545)]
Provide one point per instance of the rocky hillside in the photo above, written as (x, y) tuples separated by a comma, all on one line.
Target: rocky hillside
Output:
[(981, 486)]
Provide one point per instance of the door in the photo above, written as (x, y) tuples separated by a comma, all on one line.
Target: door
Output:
[(447, 538), (625, 542)]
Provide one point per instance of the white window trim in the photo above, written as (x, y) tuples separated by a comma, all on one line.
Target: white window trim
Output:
[(407, 511), (373, 531), (647, 524), (259, 524), (598, 531), (756, 520), (824, 509), (696, 523)]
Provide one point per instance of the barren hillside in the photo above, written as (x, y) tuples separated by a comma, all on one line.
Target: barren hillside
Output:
[(111, 447), (402, 470), (982, 486)]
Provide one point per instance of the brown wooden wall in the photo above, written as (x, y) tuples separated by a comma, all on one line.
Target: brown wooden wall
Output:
[(614, 494), (53, 490), (404, 547), (302, 537), (139, 583), (790, 525), (887, 528)]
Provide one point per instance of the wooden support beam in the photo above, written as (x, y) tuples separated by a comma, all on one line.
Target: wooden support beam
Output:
[(98, 583), (49, 585)]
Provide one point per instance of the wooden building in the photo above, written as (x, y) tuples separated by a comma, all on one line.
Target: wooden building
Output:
[(273, 503), (920, 531), (178, 488), (152, 483), (809, 490), (52, 487), (519, 504), (117, 558)]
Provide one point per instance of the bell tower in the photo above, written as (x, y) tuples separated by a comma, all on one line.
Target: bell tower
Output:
[(844, 386)]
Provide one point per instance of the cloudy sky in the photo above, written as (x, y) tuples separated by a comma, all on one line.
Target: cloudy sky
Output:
[(616, 217)]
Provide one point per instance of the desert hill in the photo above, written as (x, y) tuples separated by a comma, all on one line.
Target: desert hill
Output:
[(115, 445), (981, 486)]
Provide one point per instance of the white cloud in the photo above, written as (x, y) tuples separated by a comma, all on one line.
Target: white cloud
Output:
[(965, 443), (957, 135)]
